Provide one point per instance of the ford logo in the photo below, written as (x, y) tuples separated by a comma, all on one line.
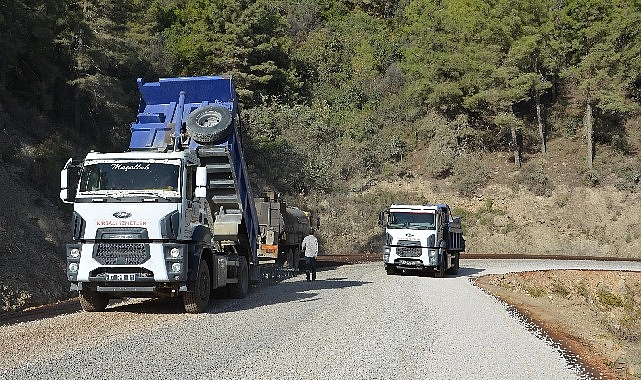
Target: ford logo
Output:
[(122, 214)]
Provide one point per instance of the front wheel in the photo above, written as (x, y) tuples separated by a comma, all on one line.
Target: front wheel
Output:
[(91, 300), (390, 269), (454, 269), (440, 270), (196, 300)]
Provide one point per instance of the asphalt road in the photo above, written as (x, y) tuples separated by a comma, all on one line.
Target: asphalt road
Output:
[(354, 322)]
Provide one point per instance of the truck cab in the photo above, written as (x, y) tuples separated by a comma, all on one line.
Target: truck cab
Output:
[(421, 238)]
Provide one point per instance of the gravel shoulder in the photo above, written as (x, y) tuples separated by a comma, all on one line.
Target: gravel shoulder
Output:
[(354, 322)]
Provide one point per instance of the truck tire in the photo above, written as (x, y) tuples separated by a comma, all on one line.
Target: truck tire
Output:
[(454, 269), (390, 269), (91, 300), (240, 288), (196, 300), (440, 270), (209, 124)]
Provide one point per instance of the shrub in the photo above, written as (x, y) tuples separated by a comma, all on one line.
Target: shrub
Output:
[(535, 291), (628, 174), (609, 299), (470, 174), (532, 176), (48, 159)]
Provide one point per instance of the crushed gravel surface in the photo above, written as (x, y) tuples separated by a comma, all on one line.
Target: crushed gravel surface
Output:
[(354, 322)]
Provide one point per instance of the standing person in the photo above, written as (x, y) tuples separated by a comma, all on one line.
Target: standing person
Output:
[(310, 247)]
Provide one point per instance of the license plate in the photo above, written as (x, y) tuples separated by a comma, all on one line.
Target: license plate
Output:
[(121, 277), (407, 262)]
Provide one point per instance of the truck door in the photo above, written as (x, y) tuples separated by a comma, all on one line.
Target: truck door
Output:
[(193, 210)]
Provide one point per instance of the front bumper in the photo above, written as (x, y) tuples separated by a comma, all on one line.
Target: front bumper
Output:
[(165, 263), (428, 258)]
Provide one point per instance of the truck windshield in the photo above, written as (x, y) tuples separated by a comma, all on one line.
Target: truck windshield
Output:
[(411, 220), (129, 176)]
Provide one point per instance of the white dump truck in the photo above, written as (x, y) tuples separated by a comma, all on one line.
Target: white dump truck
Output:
[(422, 238), (172, 216)]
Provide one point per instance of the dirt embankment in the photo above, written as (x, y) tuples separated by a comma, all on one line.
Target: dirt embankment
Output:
[(595, 314)]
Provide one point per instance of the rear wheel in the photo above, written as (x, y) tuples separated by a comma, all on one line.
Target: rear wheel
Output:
[(91, 300), (196, 301), (240, 288)]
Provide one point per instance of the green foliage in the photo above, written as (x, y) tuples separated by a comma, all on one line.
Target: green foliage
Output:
[(445, 140), (47, 160), (535, 292), (246, 39), (334, 89), (286, 145), (608, 299), (625, 170), (559, 288), (582, 289), (599, 35)]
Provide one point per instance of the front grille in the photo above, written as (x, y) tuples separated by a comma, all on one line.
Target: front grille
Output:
[(408, 251), (409, 243), (121, 253)]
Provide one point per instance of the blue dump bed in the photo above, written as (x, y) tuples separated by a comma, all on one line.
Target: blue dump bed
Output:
[(164, 107)]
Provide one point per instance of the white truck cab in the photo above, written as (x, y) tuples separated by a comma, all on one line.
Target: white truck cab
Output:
[(421, 238)]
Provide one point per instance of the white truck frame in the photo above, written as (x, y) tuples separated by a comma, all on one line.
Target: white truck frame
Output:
[(421, 238)]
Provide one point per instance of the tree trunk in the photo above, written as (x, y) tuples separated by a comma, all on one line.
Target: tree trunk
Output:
[(515, 142), (515, 145), (539, 120), (588, 122), (537, 100)]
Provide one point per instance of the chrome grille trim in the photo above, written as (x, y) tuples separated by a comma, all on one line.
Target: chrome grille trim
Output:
[(408, 251), (121, 253)]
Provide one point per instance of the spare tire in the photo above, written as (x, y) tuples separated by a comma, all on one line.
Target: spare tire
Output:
[(208, 124)]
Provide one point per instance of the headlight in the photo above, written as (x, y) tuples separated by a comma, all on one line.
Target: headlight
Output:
[(73, 267), (176, 267), (74, 253), (387, 250), (174, 252)]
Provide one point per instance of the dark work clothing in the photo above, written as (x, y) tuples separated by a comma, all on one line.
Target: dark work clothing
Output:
[(310, 267)]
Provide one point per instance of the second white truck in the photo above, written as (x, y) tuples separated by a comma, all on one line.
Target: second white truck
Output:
[(422, 238)]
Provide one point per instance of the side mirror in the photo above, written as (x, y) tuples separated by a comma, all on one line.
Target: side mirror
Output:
[(201, 176), (65, 194), (382, 218), (201, 182), (64, 178)]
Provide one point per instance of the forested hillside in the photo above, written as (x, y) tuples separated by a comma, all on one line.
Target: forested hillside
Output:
[(500, 107)]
